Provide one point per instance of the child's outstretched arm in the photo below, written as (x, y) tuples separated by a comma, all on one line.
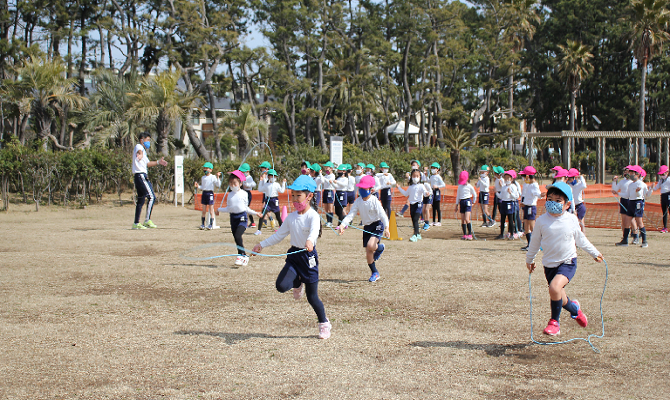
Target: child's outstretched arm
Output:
[(347, 220), (277, 237), (585, 244)]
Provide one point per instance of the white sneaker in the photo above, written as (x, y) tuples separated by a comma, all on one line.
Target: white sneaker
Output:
[(329, 225), (245, 261), (297, 292), (258, 232), (324, 330), (238, 260)]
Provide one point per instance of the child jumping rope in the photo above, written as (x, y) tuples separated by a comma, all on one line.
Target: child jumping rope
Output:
[(529, 196), (207, 184), (301, 270), (375, 223), (436, 183), (248, 185), (557, 232), (271, 190), (466, 196), (415, 194), (238, 207)]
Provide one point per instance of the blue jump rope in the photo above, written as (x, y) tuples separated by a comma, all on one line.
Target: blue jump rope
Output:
[(586, 339)]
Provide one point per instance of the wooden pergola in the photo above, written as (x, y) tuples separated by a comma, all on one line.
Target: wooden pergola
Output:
[(662, 137)]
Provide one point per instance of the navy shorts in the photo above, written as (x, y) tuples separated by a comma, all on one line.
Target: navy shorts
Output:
[(483, 197), (351, 197), (437, 196), (529, 212), (305, 264), (272, 204), (428, 200), (566, 269), (207, 198), (581, 210), (416, 208), (385, 195), (328, 197), (465, 205), (623, 206), (508, 207), (341, 198), (635, 208), (375, 229), (237, 220)]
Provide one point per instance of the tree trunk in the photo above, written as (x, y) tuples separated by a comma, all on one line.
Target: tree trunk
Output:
[(455, 164), (199, 148), (162, 128), (408, 94), (643, 94), (215, 122)]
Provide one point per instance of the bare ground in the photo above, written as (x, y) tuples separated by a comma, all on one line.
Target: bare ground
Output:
[(93, 310)]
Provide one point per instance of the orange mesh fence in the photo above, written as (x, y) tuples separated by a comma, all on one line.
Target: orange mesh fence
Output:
[(598, 215)]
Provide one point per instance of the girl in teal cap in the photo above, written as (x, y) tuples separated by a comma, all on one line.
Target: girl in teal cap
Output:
[(483, 185), (436, 183), (207, 184), (386, 183), (248, 185)]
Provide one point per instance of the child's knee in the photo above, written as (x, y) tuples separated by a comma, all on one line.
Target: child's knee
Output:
[(283, 287)]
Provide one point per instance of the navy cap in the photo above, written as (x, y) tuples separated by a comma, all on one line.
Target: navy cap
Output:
[(304, 183)]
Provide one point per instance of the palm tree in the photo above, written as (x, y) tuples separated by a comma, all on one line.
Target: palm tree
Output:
[(43, 92), (456, 140), (650, 21), (574, 65), (161, 101), (110, 102), (243, 125)]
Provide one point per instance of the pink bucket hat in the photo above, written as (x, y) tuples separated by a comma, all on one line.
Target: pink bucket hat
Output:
[(511, 173), (573, 172), (239, 174), (561, 174), (529, 170), (463, 178), (630, 168), (643, 173), (663, 169), (557, 168), (366, 182), (635, 168)]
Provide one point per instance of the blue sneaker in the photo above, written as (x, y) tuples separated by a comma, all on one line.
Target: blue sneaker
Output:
[(378, 252), (374, 277)]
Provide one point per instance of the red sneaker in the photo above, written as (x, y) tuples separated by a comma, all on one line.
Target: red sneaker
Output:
[(553, 328), (581, 317)]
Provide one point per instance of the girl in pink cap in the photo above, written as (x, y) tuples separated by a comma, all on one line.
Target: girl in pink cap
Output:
[(415, 194), (238, 207), (466, 196), (375, 223), (620, 189), (578, 184), (637, 191), (664, 185), (529, 196)]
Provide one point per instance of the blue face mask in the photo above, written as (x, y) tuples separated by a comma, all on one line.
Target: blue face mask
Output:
[(364, 192), (574, 182), (147, 145), (553, 207)]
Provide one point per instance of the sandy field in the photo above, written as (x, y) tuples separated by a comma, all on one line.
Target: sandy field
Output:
[(91, 309)]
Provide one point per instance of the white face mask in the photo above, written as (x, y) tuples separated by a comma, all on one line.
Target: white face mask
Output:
[(359, 171), (508, 181), (368, 173), (385, 170), (416, 180), (273, 179), (234, 188), (482, 175), (434, 171)]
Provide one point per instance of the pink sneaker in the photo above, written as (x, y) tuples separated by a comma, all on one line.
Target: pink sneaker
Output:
[(515, 237), (297, 292), (468, 237), (553, 328), (664, 230), (324, 330), (464, 237), (581, 317)]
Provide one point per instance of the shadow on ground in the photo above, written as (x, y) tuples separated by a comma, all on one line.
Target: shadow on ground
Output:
[(493, 349), (234, 338)]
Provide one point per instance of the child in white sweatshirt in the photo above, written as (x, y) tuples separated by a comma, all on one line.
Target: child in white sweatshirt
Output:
[(557, 232)]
